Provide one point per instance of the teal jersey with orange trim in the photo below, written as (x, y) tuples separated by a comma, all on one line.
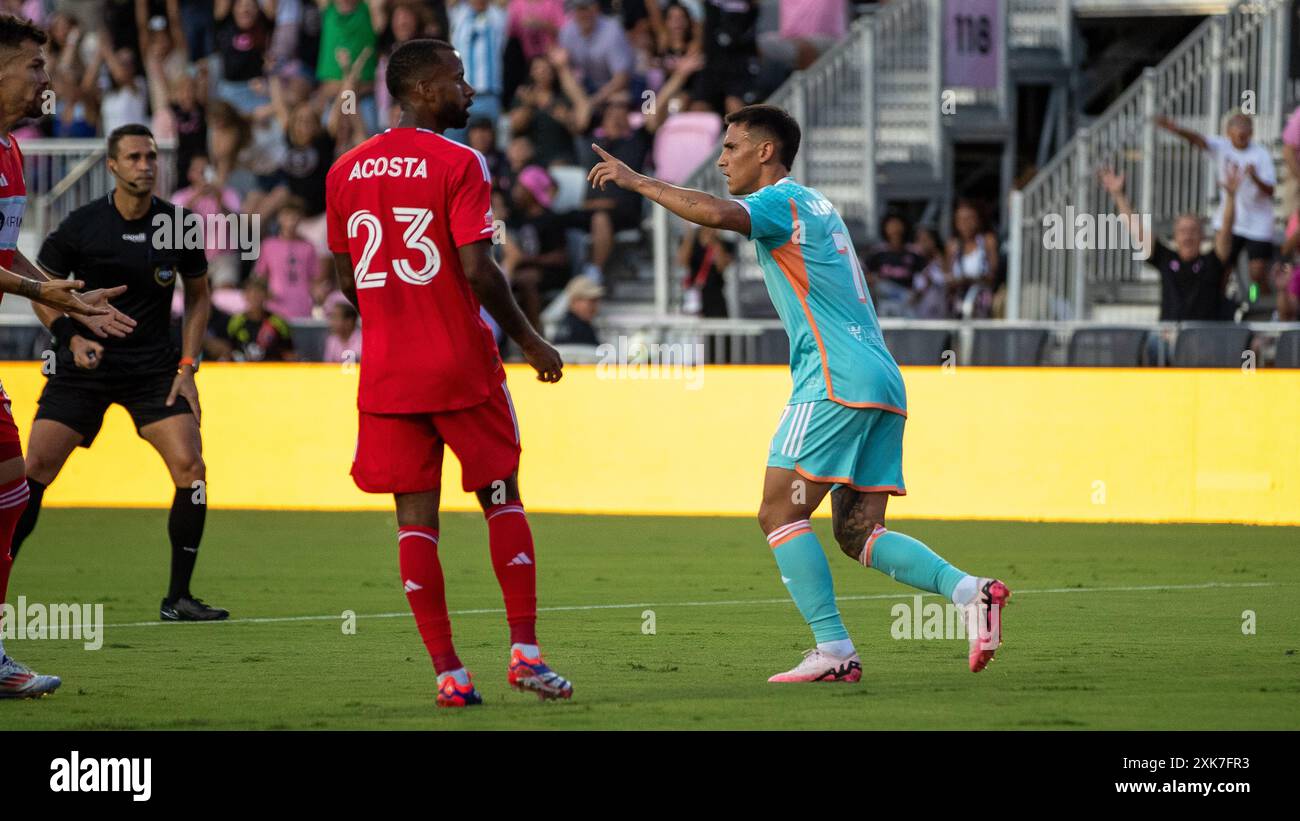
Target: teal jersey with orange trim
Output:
[(820, 291)]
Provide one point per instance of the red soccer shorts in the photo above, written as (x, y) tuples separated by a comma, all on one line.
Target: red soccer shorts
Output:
[(402, 453), (11, 443)]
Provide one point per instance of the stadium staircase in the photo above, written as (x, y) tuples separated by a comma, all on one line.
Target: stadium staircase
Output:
[(879, 121), (1235, 58)]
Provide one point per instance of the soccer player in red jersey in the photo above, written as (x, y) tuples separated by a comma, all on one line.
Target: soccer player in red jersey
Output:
[(410, 223), (23, 82)]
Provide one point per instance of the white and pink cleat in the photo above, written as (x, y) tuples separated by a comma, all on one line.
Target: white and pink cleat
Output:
[(984, 622), (821, 666)]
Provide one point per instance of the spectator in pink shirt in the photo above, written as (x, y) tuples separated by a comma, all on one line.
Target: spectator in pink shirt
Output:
[(1291, 155), (344, 342), (1286, 275), (807, 28), (205, 198), (536, 24), (289, 264)]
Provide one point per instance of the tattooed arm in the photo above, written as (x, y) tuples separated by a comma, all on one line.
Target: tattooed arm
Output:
[(695, 206)]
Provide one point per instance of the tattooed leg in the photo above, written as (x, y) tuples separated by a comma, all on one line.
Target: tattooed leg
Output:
[(855, 515)]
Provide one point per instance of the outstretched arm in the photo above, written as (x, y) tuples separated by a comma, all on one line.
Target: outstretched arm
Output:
[(1114, 185), (59, 294), (691, 205), (1193, 137), (1223, 239)]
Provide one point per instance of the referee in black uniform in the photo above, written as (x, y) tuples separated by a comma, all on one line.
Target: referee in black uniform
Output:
[(115, 240)]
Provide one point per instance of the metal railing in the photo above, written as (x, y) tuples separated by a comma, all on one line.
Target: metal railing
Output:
[(749, 341), (1041, 24), (1236, 60), (64, 174), (833, 101)]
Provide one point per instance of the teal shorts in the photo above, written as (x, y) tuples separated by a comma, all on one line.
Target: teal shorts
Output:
[(825, 441)]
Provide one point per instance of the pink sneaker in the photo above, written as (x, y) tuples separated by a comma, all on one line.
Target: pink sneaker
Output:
[(820, 666), (984, 622)]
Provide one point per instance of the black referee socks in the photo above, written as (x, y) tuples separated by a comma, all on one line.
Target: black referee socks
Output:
[(185, 528), (27, 522)]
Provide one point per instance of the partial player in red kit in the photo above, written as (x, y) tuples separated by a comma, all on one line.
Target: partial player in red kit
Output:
[(23, 82), (410, 224)]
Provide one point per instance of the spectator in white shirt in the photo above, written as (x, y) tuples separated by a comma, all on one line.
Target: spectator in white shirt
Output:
[(478, 31), (1252, 228)]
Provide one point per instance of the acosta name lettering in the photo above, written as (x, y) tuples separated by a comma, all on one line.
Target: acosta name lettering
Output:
[(413, 167)]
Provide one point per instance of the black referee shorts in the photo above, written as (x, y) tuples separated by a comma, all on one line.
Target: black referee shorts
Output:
[(79, 401)]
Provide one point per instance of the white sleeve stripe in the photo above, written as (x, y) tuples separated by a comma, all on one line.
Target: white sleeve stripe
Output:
[(482, 161)]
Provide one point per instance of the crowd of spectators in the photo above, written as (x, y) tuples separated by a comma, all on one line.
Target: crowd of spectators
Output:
[(260, 97)]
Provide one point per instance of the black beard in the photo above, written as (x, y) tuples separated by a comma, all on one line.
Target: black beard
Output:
[(457, 117)]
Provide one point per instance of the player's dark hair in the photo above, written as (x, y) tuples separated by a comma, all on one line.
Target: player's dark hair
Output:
[(409, 61), (123, 131), (14, 31), (776, 122)]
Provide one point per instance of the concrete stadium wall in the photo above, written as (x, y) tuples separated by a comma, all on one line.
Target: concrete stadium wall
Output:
[(990, 443)]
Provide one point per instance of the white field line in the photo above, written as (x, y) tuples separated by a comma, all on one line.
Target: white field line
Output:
[(730, 603)]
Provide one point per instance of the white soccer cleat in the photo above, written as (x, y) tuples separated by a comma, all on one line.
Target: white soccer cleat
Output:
[(821, 666), (984, 622), (17, 681)]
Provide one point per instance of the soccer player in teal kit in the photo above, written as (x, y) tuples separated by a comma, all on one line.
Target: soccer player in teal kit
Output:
[(842, 430)]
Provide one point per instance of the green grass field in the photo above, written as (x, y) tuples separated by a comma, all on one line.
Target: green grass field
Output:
[(1111, 626)]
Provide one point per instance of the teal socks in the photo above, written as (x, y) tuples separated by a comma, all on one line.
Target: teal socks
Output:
[(909, 561), (807, 575)]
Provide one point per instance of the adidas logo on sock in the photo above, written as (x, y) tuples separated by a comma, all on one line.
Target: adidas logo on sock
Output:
[(411, 586), (522, 558)]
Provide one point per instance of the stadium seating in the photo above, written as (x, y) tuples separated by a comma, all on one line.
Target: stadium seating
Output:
[(917, 346), (773, 347), (18, 342), (1107, 347), (754, 301), (570, 186), (1015, 347), (683, 142), (309, 341), (1211, 345), (1288, 350)]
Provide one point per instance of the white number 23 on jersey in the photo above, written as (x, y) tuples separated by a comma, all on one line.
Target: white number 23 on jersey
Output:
[(417, 223)]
